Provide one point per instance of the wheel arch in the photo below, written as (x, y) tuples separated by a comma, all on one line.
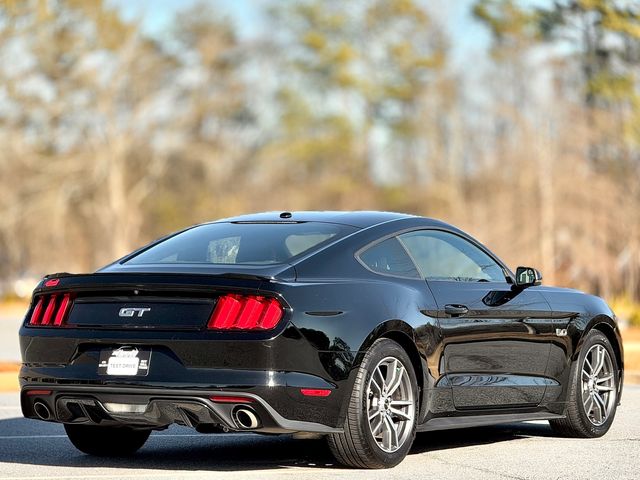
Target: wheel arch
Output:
[(607, 326), (609, 329), (403, 334), (409, 346), (611, 333)]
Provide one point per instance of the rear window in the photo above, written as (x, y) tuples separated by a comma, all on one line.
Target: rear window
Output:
[(242, 243)]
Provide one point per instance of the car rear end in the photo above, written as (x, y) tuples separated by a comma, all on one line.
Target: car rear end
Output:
[(148, 345)]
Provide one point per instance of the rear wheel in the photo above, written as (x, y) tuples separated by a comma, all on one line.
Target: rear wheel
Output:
[(106, 441), (593, 392), (381, 418)]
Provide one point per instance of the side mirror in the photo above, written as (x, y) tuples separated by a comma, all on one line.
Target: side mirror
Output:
[(527, 277)]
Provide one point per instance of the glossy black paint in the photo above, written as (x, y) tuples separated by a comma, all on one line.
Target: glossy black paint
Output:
[(504, 355)]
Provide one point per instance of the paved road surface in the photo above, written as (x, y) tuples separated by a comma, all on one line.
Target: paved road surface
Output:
[(30, 449)]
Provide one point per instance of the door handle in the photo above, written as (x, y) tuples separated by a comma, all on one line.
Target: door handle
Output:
[(455, 310)]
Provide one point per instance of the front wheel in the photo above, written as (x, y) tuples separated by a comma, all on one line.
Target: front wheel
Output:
[(593, 392), (106, 441), (381, 418)]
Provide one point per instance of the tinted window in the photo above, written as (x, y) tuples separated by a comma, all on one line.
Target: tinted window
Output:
[(243, 243), (444, 256), (389, 257)]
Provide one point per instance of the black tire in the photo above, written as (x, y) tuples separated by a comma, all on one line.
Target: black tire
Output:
[(356, 446), (106, 441), (577, 422)]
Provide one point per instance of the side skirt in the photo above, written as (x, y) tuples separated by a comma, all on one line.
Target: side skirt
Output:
[(447, 423)]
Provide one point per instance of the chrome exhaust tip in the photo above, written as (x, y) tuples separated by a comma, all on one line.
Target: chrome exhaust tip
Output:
[(245, 418), (42, 411)]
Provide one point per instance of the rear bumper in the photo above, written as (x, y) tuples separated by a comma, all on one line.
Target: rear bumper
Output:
[(157, 408), (194, 364)]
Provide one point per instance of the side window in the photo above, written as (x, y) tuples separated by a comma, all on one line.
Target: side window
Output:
[(445, 256), (390, 258)]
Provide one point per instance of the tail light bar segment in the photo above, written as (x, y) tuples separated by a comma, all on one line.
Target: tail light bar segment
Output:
[(51, 310), (245, 312), (232, 312)]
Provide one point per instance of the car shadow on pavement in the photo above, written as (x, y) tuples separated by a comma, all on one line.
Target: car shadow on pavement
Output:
[(450, 439), (31, 442)]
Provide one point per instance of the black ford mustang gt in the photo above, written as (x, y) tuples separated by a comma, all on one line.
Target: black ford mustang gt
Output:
[(362, 326)]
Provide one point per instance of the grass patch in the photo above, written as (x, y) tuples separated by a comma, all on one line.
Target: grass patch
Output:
[(9, 377), (9, 382), (627, 309), (632, 362), (9, 367), (14, 308), (631, 341)]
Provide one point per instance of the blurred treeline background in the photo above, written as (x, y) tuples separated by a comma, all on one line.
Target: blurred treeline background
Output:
[(111, 137)]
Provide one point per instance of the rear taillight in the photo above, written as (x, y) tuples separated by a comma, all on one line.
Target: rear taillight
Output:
[(245, 312), (51, 310)]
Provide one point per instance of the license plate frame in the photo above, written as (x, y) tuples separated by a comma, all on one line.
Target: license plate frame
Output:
[(125, 362)]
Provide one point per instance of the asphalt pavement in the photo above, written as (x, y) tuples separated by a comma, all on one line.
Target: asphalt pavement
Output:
[(30, 449)]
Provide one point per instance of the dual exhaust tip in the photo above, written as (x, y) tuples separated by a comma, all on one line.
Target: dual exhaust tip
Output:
[(245, 418), (42, 411)]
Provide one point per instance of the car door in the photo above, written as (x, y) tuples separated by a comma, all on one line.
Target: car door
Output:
[(495, 338)]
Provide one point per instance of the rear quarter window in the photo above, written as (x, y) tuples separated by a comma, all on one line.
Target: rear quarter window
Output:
[(389, 258)]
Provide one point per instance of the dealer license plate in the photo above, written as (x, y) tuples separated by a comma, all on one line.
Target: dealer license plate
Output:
[(124, 361)]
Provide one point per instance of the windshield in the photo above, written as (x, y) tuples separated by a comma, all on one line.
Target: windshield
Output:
[(242, 243)]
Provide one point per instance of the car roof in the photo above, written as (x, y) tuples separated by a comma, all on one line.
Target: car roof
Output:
[(359, 219)]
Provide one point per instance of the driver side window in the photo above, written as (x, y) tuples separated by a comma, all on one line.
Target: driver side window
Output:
[(444, 256)]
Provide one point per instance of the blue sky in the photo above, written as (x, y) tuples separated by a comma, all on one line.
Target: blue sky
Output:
[(156, 15), (468, 38)]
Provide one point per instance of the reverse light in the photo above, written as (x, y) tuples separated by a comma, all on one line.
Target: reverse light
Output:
[(245, 312), (51, 310)]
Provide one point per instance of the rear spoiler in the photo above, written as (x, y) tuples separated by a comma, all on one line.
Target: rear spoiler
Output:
[(144, 281)]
